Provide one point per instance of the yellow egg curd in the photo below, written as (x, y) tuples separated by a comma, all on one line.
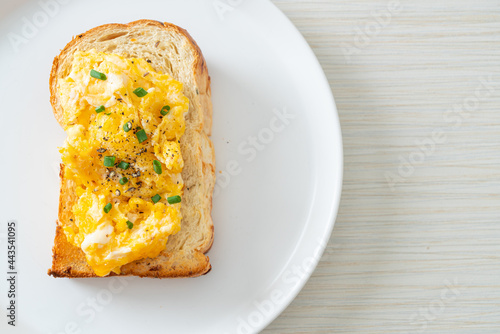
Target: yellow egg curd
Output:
[(124, 122)]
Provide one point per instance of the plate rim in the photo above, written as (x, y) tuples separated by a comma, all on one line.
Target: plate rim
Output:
[(339, 154), (328, 226)]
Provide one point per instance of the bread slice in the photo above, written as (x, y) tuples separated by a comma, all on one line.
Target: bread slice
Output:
[(173, 51)]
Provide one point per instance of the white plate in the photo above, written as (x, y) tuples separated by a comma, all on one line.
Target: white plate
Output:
[(275, 201)]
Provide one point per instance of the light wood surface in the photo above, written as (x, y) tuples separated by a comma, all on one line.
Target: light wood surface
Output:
[(421, 255)]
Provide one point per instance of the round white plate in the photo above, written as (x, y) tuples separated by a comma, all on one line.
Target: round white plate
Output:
[(279, 167)]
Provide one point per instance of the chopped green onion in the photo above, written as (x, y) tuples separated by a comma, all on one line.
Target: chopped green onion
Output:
[(157, 166), (123, 180), (108, 207), (140, 92), (97, 75), (108, 113), (174, 199), (109, 161), (127, 127), (124, 165), (130, 224), (156, 198), (100, 109), (165, 110), (141, 135)]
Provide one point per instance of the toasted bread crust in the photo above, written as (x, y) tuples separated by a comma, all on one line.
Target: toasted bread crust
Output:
[(69, 261), (182, 257)]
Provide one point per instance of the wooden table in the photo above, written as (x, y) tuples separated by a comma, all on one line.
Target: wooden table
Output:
[(416, 245)]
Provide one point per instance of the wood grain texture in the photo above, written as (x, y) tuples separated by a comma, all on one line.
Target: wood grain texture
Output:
[(419, 253)]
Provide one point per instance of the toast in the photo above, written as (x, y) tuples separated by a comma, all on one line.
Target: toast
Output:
[(170, 50)]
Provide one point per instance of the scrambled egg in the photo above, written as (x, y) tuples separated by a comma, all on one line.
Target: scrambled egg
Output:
[(124, 122)]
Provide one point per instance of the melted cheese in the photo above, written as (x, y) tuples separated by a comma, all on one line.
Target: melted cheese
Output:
[(100, 236)]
